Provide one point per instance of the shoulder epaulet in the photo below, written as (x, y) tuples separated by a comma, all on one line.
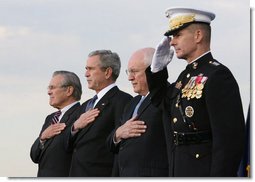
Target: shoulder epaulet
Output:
[(214, 63)]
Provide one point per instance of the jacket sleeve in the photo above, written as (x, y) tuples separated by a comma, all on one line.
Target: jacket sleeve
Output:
[(225, 111), (111, 145), (70, 137), (35, 151), (158, 85), (36, 148)]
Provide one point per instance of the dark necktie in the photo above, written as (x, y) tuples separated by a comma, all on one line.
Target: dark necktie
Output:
[(91, 103), (55, 118), (137, 106)]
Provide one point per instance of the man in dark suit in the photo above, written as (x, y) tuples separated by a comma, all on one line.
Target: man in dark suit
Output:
[(140, 141), (48, 149), (203, 107), (87, 138)]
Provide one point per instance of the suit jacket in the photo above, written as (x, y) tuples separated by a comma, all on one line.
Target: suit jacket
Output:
[(145, 155), (205, 98), (53, 159), (91, 158)]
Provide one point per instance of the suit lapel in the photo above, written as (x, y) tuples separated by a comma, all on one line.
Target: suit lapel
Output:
[(131, 107), (103, 102), (144, 105), (47, 143), (64, 119)]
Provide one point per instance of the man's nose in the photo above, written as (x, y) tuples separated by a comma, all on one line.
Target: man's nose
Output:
[(86, 73), (172, 41), (49, 92), (131, 77)]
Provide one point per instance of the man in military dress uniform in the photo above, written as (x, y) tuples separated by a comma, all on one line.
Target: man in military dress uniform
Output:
[(203, 114)]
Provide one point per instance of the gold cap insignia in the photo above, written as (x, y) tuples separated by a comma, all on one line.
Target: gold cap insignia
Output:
[(179, 21)]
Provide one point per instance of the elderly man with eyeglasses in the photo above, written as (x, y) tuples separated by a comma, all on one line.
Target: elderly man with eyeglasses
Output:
[(139, 141), (48, 149)]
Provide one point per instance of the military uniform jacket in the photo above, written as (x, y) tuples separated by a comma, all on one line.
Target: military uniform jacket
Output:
[(204, 99), (145, 155), (91, 157), (53, 159)]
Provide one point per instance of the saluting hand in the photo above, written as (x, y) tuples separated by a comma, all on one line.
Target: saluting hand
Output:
[(163, 55), (132, 128), (52, 130)]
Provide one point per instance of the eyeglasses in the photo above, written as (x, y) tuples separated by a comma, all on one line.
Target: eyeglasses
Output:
[(132, 72), (52, 87)]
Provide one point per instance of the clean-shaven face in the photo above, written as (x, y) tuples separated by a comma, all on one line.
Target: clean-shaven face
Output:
[(96, 77), (183, 42), (136, 74), (58, 93)]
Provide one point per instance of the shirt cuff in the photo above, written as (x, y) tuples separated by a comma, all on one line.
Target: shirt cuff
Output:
[(73, 132), (114, 140), (42, 142)]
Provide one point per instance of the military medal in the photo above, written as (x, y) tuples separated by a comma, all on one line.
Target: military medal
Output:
[(189, 93), (199, 92), (189, 111), (200, 86), (198, 96), (193, 94), (194, 87)]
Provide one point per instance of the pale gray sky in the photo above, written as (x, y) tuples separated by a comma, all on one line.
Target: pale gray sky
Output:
[(38, 37)]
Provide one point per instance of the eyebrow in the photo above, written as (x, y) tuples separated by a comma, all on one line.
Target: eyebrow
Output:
[(89, 67)]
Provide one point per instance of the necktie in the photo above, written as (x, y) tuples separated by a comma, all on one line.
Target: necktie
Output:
[(91, 103), (55, 118), (137, 106)]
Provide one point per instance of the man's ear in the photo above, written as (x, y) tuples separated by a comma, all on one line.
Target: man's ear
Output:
[(70, 90), (199, 34), (108, 73)]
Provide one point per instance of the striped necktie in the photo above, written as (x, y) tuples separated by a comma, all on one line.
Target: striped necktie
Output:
[(55, 118), (91, 103)]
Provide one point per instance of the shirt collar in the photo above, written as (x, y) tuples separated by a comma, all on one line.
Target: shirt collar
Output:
[(103, 92), (66, 108), (199, 57), (145, 95)]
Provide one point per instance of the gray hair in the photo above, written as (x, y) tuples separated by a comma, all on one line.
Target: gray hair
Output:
[(71, 79), (108, 59)]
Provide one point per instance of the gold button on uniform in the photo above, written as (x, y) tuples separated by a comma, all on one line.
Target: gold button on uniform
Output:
[(188, 75), (197, 156), (175, 120)]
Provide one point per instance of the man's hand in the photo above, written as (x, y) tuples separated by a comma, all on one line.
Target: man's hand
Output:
[(163, 55), (132, 128), (85, 119), (52, 130)]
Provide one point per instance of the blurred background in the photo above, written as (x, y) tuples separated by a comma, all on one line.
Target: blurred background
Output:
[(42, 36)]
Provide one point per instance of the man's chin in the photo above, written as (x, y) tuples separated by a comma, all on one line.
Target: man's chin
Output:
[(135, 90), (90, 87), (52, 104)]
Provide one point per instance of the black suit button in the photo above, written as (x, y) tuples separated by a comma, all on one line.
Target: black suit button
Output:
[(121, 148)]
